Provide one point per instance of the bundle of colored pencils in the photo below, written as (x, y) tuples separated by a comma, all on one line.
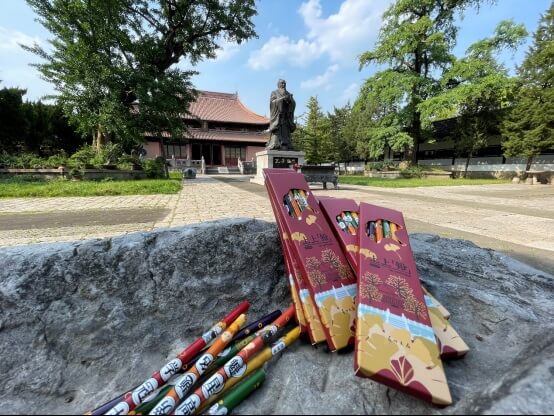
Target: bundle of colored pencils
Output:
[(377, 230), (348, 222), (220, 369)]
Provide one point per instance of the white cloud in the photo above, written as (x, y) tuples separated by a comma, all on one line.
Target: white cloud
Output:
[(350, 93), (347, 33), (227, 50), (320, 80), (281, 49), (11, 39), (342, 36)]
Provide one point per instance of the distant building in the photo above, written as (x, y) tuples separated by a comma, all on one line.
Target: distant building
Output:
[(221, 129)]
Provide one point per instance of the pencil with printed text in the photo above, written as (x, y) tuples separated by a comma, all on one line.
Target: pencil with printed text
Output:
[(378, 230), (348, 220), (371, 230), (185, 382), (217, 381), (304, 197), (135, 397), (341, 223), (288, 206), (238, 394), (148, 404), (393, 228), (257, 325), (229, 353), (294, 203), (302, 202), (356, 218), (386, 229), (257, 362)]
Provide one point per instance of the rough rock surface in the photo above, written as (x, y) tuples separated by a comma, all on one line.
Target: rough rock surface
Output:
[(82, 321)]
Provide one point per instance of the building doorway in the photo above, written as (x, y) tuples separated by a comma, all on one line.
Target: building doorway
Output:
[(233, 153), (210, 151)]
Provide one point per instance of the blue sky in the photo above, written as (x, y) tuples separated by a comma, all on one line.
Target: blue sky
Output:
[(312, 44)]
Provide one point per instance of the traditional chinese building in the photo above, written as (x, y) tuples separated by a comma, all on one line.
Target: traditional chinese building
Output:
[(221, 129)]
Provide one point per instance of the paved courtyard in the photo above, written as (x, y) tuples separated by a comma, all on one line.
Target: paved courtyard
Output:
[(516, 219)]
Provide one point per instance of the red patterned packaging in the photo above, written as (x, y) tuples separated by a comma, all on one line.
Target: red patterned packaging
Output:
[(395, 341), (320, 260)]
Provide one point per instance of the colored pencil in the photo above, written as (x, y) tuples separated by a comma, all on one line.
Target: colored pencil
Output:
[(185, 382), (304, 198), (294, 203), (341, 223), (386, 229), (348, 221), (230, 352), (257, 325), (371, 230), (238, 394), (135, 397), (257, 362), (148, 404), (233, 367), (393, 228), (356, 219), (378, 230)]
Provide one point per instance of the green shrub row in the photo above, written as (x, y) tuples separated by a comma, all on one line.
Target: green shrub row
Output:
[(86, 157)]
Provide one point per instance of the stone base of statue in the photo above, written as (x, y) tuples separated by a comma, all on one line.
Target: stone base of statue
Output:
[(275, 159)]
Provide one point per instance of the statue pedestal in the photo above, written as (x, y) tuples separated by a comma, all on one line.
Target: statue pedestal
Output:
[(275, 159)]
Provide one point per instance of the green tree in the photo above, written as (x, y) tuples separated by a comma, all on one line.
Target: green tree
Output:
[(113, 62), (529, 128), (342, 134), (13, 126), (314, 135), (475, 90), (415, 42)]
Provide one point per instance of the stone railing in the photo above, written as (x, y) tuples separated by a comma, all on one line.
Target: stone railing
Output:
[(63, 172), (182, 164), (247, 168)]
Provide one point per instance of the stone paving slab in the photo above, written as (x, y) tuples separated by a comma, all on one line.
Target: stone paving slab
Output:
[(20, 205), (493, 211)]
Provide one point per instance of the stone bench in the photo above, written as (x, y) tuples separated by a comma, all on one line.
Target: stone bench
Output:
[(322, 174)]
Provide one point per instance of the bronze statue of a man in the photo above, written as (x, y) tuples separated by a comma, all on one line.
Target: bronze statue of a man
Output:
[(281, 125)]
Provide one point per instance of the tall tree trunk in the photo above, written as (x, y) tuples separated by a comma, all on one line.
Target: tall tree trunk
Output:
[(101, 139), (467, 163), (529, 163), (416, 134)]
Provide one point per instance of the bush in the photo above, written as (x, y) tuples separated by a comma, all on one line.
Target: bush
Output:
[(81, 158), (154, 169), (128, 162), (55, 161), (413, 172), (23, 161), (380, 166)]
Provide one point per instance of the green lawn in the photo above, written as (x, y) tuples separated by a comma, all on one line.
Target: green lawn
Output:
[(16, 188), (413, 182)]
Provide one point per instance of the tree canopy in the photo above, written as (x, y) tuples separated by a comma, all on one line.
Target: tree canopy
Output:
[(475, 89), (113, 62), (529, 128), (33, 126), (415, 43)]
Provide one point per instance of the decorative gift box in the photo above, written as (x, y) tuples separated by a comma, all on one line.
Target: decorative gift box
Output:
[(342, 215), (395, 341), (320, 260)]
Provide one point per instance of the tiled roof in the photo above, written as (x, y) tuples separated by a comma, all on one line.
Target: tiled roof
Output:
[(224, 136), (219, 106)]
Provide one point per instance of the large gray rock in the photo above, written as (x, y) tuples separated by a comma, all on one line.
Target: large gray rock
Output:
[(82, 321)]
